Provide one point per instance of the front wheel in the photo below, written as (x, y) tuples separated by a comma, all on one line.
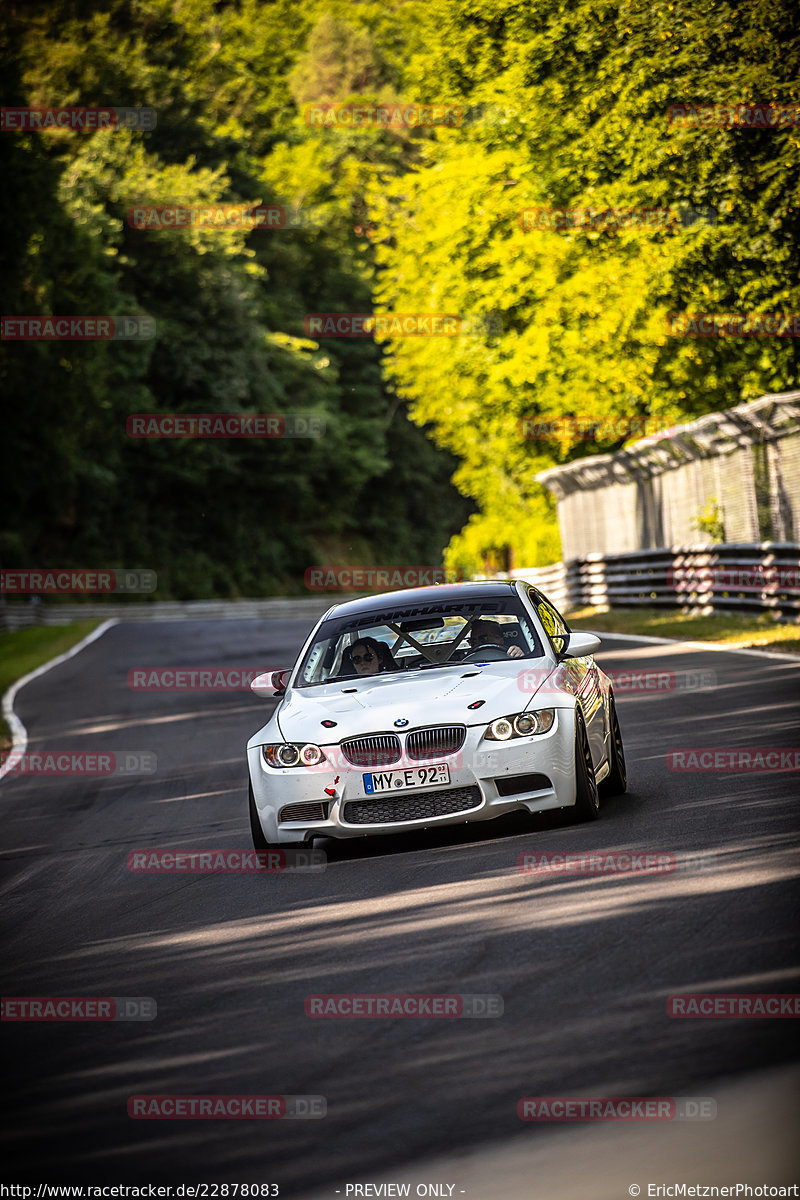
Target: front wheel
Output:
[(616, 781), (257, 833), (587, 799)]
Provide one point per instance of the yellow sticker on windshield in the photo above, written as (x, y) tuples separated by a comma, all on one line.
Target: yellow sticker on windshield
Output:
[(547, 619)]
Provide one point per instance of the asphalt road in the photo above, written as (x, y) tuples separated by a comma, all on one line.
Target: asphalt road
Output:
[(584, 964)]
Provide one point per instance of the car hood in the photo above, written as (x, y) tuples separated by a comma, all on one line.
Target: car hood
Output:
[(438, 696)]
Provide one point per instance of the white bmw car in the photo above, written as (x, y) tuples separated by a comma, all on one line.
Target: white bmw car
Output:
[(435, 706)]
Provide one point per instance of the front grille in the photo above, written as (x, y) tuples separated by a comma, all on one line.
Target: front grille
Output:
[(432, 743), (379, 750), (514, 785), (414, 806), (315, 810)]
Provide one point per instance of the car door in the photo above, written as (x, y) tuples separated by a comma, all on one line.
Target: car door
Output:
[(583, 674)]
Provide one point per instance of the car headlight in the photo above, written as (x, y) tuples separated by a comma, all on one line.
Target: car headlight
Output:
[(500, 731), (291, 754), (526, 724)]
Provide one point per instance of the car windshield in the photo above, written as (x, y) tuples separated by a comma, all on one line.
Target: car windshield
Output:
[(418, 637)]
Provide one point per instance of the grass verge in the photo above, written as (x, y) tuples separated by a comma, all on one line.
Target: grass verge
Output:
[(27, 649), (743, 632)]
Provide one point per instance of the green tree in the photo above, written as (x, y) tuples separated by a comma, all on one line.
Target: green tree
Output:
[(213, 517), (569, 108)]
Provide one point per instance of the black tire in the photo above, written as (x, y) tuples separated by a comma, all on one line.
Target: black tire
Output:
[(616, 781), (587, 799), (257, 833)]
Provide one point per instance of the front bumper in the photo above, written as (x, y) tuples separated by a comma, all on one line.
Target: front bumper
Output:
[(487, 780)]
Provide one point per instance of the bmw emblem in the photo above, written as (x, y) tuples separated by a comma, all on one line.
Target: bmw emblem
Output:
[(401, 722)]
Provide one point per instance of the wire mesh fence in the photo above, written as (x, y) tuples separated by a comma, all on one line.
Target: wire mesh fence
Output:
[(729, 477)]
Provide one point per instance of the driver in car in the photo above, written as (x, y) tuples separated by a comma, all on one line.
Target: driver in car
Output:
[(488, 633)]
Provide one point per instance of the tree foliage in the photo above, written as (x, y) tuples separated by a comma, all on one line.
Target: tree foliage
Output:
[(565, 107), (570, 105), (212, 517)]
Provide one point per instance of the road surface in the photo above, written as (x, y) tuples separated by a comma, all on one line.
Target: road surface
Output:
[(584, 963)]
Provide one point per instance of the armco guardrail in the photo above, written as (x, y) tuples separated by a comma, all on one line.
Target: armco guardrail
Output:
[(731, 577), (15, 615)]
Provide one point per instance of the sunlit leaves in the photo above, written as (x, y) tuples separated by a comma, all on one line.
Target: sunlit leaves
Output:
[(584, 310)]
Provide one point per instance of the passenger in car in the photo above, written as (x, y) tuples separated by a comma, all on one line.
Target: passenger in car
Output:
[(367, 656), (488, 633)]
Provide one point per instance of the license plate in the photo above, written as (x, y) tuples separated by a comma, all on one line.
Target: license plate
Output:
[(397, 781)]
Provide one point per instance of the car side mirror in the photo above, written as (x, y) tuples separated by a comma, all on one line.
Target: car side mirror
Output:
[(269, 685), (580, 645)]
